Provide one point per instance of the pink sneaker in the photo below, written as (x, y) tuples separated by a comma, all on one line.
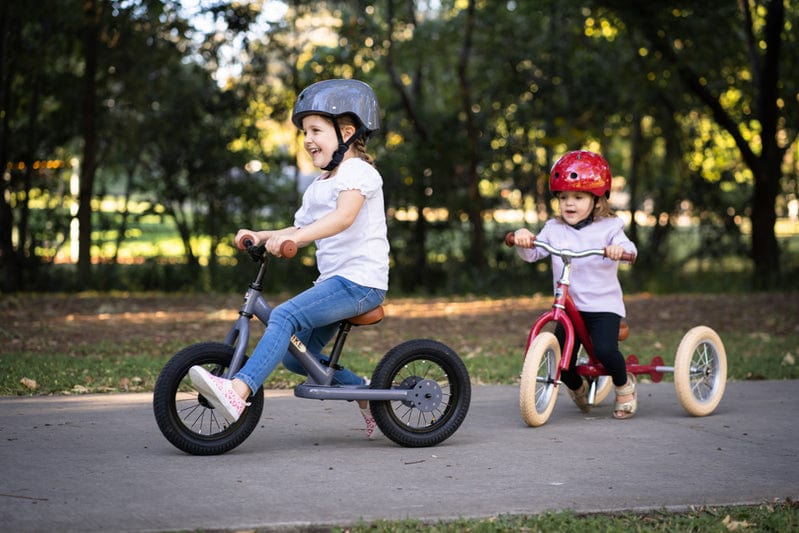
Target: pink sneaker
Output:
[(219, 392), (370, 422)]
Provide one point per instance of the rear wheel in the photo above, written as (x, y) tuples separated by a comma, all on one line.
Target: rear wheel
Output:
[(604, 383), (700, 371), (441, 398), (186, 418), (538, 388)]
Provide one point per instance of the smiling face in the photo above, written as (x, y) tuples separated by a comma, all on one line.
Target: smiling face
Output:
[(320, 138), (575, 206)]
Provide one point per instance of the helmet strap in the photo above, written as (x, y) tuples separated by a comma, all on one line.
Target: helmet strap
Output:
[(584, 222), (343, 146)]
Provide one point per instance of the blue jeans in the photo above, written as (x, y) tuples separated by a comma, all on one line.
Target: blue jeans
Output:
[(313, 316)]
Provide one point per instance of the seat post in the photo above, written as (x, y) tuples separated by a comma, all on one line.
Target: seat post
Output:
[(344, 328)]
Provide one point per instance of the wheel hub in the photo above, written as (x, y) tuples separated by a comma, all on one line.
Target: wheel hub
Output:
[(426, 395)]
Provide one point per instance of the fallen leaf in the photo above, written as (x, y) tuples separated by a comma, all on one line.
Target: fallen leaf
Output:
[(788, 360), (29, 383), (735, 525)]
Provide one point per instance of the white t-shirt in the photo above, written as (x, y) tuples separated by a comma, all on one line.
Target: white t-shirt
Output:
[(360, 252), (595, 283)]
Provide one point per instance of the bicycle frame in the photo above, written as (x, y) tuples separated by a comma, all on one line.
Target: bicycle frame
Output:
[(700, 364), (566, 313), (418, 395), (319, 383)]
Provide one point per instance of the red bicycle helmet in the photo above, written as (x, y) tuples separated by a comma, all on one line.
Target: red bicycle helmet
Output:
[(581, 170)]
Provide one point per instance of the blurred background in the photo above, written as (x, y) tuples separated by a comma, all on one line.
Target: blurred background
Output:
[(137, 136)]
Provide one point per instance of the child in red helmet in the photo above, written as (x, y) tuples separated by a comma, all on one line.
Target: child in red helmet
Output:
[(581, 181)]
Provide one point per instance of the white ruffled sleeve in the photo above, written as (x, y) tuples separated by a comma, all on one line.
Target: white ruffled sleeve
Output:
[(361, 176)]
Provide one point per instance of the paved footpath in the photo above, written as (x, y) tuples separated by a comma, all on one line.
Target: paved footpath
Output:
[(99, 463)]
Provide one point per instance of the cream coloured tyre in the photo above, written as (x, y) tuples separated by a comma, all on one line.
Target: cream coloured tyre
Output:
[(604, 384), (700, 371), (538, 388)]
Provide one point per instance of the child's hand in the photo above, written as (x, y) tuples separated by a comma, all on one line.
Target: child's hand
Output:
[(274, 245), (524, 238), (614, 251), (242, 238)]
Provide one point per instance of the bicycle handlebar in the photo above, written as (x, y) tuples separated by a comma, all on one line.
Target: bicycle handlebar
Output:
[(288, 249), (625, 256)]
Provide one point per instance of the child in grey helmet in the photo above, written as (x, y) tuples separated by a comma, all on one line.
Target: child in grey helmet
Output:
[(342, 212)]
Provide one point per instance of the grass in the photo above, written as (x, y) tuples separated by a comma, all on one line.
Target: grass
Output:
[(101, 343), (133, 366), (776, 517)]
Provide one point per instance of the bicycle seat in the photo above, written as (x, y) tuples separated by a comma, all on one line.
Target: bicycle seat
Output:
[(370, 317), (624, 330)]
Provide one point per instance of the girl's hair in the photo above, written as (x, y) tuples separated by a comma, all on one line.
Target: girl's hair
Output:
[(359, 146), (602, 208)]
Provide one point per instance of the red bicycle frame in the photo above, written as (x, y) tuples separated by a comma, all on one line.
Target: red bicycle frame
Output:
[(566, 313)]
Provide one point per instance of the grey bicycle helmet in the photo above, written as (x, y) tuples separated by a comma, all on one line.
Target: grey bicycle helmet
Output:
[(334, 98)]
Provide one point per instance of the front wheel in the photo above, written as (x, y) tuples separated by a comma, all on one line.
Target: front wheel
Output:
[(186, 418), (444, 392), (700, 371), (538, 388)]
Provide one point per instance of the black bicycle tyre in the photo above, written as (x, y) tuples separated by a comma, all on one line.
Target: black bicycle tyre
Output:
[(181, 413), (412, 361)]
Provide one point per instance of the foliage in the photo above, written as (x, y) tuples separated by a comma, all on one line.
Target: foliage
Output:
[(694, 108)]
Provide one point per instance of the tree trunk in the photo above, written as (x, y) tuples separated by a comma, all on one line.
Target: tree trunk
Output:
[(636, 140), (9, 264), (765, 250), (767, 168), (474, 209), (92, 13)]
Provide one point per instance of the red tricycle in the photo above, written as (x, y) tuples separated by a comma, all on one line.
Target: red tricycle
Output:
[(700, 364)]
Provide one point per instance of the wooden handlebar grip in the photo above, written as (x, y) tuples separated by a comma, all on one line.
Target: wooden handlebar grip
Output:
[(288, 249)]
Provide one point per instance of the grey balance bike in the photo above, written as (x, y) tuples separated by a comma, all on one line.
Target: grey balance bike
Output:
[(419, 392)]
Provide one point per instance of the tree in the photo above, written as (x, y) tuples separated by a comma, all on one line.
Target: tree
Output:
[(743, 74), (36, 123)]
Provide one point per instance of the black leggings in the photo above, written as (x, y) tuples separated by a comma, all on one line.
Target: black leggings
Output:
[(603, 328)]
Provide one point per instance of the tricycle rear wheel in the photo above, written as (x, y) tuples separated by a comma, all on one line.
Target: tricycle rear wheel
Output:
[(700, 371)]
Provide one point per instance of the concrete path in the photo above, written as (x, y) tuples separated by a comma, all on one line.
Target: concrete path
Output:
[(99, 463)]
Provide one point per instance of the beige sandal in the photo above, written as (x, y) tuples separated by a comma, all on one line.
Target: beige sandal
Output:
[(580, 397), (624, 410)]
